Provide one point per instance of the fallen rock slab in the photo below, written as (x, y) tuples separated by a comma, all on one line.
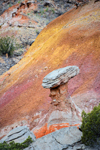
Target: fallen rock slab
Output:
[(18, 135), (57, 140)]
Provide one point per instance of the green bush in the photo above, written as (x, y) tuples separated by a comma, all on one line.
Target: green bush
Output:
[(16, 146), (7, 45), (19, 2), (47, 9), (91, 126)]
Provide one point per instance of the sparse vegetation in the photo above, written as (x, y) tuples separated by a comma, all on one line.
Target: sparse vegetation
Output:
[(10, 5), (53, 10), (7, 45), (19, 2), (16, 146), (42, 11), (28, 14), (37, 32), (91, 126), (47, 9)]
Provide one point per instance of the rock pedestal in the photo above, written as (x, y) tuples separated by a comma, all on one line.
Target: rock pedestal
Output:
[(58, 94), (57, 82)]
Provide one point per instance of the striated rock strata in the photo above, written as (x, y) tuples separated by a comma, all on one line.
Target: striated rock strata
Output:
[(18, 135), (59, 76)]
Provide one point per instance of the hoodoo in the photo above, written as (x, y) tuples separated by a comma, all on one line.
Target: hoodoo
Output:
[(57, 81), (62, 108)]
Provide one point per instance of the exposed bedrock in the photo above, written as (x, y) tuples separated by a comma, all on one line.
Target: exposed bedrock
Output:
[(18, 135), (64, 138), (58, 140)]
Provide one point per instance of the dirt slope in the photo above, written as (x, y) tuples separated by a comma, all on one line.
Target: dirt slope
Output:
[(71, 39)]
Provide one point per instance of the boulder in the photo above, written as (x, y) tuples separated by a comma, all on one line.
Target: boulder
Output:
[(59, 76), (18, 135), (57, 140)]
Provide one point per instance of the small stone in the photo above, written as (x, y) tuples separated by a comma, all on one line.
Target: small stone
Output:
[(15, 60), (18, 53)]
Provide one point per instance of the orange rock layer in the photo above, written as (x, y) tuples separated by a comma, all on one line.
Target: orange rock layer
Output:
[(46, 130)]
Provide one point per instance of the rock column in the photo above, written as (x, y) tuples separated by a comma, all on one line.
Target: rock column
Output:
[(57, 82)]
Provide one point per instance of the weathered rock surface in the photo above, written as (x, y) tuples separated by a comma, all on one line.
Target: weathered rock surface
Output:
[(56, 119), (18, 135), (57, 140), (63, 139), (47, 128), (59, 76)]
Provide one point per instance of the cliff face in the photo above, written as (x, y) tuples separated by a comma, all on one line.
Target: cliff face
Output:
[(71, 39)]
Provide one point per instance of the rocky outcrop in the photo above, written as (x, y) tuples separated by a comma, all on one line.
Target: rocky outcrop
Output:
[(63, 112), (63, 139), (18, 135), (47, 129), (57, 140), (57, 81)]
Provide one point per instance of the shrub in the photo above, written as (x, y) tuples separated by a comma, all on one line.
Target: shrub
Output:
[(91, 126), (16, 146), (9, 5), (42, 11), (6, 45), (53, 11), (19, 2), (28, 14), (47, 9)]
